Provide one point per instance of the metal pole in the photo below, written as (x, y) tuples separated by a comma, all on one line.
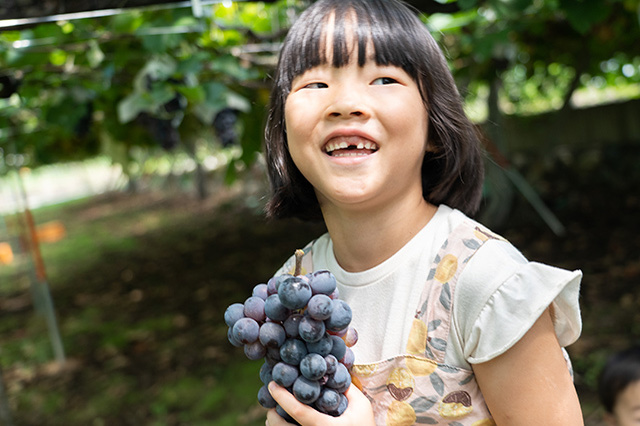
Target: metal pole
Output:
[(41, 285)]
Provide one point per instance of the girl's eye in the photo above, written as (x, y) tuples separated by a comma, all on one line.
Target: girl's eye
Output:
[(316, 86), (384, 80)]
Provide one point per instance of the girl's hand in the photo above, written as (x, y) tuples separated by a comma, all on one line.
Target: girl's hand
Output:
[(358, 412)]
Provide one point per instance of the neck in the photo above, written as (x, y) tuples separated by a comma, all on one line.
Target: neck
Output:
[(362, 239)]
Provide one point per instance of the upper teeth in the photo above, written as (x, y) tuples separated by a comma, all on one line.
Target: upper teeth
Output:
[(332, 146)]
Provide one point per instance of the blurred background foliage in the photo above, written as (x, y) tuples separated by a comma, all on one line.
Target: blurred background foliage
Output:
[(170, 98)]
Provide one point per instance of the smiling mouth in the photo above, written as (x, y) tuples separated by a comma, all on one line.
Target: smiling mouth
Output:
[(350, 149)]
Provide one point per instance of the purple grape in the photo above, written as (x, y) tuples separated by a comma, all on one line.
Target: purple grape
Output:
[(271, 286), (351, 337), (340, 317), (344, 403), (322, 282), (272, 334), (292, 324), (260, 291), (233, 313), (332, 363), (328, 401), (265, 373), (339, 348), (246, 330), (235, 342), (305, 390), (275, 310), (265, 399), (292, 351), (313, 366), (340, 380), (255, 351), (254, 308), (284, 374), (311, 330), (322, 346), (320, 307), (348, 358), (294, 292), (285, 415)]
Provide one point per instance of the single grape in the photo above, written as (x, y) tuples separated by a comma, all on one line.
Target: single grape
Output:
[(260, 290), (254, 351), (328, 401), (313, 366), (344, 403), (246, 330), (274, 309), (339, 347), (322, 346), (294, 292), (332, 363), (292, 351), (348, 358), (292, 324), (340, 380), (305, 390), (285, 415), (340, 317), (272, 334), (351, 337), (311, 330), (265, 373), (284, 374), (320, 307), (265, 399), (271, 286), (254, 308), (233, 313), (322, 282)]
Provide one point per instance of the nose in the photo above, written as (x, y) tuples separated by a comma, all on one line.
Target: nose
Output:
[(348, 104)]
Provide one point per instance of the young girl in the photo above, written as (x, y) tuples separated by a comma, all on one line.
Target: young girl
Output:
[(367, 132)]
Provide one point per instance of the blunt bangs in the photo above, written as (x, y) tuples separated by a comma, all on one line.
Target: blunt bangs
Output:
[(390, 30)]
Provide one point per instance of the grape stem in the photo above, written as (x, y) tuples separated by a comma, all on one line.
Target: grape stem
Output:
[(299, 256)]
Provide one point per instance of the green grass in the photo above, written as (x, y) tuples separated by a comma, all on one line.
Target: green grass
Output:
[(139, 355)]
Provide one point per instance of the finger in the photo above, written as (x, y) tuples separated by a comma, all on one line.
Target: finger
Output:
[(274, 419), (302, 413)]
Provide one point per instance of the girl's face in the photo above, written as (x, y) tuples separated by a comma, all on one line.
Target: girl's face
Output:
[(358, 134), (627, 409)]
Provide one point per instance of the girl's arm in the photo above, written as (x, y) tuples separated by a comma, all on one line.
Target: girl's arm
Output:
[(530, 384), (359, 411)]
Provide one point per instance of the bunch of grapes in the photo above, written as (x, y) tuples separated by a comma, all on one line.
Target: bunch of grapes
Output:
[(300, 327)]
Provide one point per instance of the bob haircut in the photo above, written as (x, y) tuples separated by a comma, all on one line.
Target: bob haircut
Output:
[(620, 370), (452, 169)]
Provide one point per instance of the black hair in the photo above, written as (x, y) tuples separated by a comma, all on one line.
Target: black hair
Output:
[(452, 169), (620, 370)]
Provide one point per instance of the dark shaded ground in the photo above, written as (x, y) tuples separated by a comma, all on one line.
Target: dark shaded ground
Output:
[(172, 364)]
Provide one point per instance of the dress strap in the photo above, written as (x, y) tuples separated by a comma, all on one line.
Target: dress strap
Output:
[(436, 302)]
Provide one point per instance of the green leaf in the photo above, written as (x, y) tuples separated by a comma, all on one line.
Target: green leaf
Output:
[(194, 94), (132, 105)]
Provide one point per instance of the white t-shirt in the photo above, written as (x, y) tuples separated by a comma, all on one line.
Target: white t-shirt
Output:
[(498, 297)]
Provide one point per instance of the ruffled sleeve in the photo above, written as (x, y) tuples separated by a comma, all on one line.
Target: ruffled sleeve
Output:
[(500, 295)]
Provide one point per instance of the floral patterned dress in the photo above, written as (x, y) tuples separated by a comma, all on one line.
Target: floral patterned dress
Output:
[(418, 387)]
